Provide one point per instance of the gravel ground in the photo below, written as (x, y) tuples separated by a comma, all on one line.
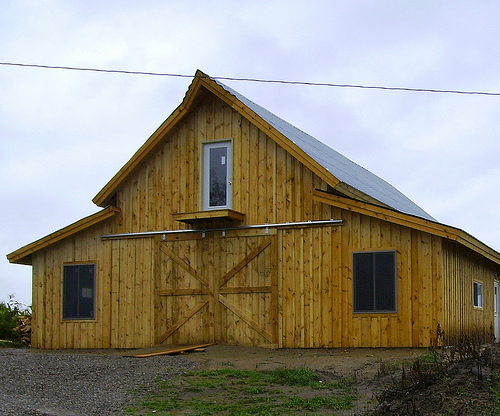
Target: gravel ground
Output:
[(74, 383)]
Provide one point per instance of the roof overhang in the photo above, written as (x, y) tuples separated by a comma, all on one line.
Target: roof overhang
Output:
[(411, 221), (24, 254)]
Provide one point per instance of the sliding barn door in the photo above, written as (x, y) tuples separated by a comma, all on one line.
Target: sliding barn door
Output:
[(220, 289)]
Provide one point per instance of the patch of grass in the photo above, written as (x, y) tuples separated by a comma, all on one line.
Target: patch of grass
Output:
[(317, 402), (233, 392), (302, 376)]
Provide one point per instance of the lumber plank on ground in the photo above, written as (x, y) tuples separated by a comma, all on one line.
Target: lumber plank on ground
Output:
[(173, 350)]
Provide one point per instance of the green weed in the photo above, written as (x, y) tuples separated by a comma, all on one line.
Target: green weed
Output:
[(235, 392)]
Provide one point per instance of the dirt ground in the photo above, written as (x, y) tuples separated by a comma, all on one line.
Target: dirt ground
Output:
[(367, 365), (343, 361)]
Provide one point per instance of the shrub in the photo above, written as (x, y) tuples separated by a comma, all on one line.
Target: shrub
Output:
[(15, 321)]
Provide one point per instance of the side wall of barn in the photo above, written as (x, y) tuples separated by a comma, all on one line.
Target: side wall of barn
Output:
[(462, 321), (315, 288)]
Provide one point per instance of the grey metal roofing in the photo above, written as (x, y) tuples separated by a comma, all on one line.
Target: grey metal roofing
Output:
[(344, 169)]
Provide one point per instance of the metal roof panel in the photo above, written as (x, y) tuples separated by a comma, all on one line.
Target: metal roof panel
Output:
[(344, 169)]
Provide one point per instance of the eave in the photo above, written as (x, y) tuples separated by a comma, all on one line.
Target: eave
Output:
[(23, 255), (411, 221)]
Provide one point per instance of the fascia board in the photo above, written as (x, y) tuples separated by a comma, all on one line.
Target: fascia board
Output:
[(21, 256), (411, 221)]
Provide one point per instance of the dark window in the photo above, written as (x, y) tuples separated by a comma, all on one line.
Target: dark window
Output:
[(78, 291), (478, 295), (374, 281)]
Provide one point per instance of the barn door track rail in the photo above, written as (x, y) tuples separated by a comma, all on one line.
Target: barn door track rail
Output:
[(223, 230)]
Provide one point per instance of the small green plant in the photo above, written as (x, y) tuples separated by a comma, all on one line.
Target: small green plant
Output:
[(388, 367), (463, 390)]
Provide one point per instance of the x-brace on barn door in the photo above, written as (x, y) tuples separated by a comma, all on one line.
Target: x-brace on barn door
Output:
[(218, 289)]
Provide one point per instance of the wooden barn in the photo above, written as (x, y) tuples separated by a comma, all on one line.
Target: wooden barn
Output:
[(229, 225)]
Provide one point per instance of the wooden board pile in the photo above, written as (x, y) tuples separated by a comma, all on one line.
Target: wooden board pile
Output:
[(23, 328)]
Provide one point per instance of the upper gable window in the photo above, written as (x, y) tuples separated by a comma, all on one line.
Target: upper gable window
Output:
[(217, 175)]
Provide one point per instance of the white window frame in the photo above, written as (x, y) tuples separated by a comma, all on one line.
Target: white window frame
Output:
[(207, 146), (478, 294)]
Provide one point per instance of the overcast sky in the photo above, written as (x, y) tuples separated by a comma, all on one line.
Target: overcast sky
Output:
[(64, 134)]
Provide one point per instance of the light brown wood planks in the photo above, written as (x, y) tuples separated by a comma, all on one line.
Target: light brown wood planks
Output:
[(298, 291)]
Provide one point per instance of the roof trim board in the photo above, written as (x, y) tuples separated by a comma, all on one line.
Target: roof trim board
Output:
[(236, 103), (102, 199), (411, 221), (23, 255)]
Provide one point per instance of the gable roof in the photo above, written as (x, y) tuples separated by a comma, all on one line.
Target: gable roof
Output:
[(334, 168), (374, 196)]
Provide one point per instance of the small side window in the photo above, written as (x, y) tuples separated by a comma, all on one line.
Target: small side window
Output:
[(79, 291), (478, 295)]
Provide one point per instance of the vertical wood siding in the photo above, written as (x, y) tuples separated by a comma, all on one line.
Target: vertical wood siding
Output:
[(461, 319), (269, 185), (49, 329), (315, 268), (313, 265), (132, 294)]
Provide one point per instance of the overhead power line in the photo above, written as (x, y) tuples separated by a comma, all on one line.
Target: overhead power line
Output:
[(269, 81)]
